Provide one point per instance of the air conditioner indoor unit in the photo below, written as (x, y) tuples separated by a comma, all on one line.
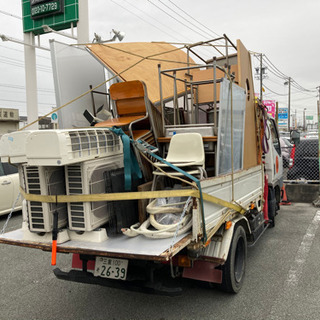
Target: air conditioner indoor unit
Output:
[(88, 177), (45, 181), (13, 146), (68, 146)]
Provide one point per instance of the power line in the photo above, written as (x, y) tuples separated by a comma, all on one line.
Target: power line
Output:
[(275, 71), (22, 101), (193, 18), (21, 65), (14, 86), (19, 61), (294, 83), (279, 94), (155, 26), (178, 14), (146, 21), (172, 17), (10, 14), (13, 49)]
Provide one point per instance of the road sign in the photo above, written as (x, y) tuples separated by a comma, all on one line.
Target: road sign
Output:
[(54, 117)]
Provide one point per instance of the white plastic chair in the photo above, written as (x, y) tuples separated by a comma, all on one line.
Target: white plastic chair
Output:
[(186, 150)]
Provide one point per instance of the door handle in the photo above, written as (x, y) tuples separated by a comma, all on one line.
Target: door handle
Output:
[(5, 183)]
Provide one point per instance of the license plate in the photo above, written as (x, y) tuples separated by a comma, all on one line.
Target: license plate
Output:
[(111, 268)]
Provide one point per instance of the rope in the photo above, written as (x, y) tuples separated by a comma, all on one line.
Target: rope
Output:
[(265, 144), (118, 74), (150, 57)]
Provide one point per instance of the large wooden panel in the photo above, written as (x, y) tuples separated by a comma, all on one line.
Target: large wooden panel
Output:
[(139, 61), (245, 81), (206, 91)]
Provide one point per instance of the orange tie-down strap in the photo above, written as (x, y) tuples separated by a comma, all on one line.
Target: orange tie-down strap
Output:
[(131, 196)]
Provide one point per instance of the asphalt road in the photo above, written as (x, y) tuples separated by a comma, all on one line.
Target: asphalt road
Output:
[(282, 282)]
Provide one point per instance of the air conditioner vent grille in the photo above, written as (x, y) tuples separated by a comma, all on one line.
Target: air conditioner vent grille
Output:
[(101, 142), (74, 186), (46, 181)]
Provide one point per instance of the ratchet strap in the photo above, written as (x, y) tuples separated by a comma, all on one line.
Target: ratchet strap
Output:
[(130, 163), (130, 196)]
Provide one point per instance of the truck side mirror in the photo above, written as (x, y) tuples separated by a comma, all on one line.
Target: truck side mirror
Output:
[(295, 137)]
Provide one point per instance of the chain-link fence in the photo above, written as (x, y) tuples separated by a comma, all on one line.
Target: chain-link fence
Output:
[(301, 161)]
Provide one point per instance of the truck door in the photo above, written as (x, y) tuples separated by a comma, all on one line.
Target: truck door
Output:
[(273, 158)]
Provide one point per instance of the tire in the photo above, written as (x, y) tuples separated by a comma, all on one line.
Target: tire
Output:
[(272, 207), (234, 269)]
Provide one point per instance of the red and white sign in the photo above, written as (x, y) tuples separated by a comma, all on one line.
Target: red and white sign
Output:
[(271, 106)]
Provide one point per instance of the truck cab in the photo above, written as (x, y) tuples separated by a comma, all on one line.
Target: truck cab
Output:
[(274, 168)]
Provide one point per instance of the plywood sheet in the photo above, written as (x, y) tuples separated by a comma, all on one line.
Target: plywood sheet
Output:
[(245, 81), (206, 91), (139, 61)]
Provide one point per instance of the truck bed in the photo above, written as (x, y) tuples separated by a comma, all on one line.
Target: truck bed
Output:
[(119, 246)]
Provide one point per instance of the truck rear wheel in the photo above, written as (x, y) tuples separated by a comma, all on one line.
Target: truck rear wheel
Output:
[(234, 269), (272, 206)]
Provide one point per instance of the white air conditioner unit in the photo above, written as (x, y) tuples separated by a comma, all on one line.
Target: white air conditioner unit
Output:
[(44, 181), (64, 147), (89, 178), (13, 146)]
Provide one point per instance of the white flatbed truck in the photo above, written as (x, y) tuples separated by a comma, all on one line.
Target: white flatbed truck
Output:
[(229, 200)]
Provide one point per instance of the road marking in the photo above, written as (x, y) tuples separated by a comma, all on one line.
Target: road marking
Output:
[(278, 310), (297, 267)]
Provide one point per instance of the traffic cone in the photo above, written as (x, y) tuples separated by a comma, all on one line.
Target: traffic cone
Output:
[(285, 201)]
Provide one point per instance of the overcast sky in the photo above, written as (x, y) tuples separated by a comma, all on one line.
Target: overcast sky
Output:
[(287, 32)]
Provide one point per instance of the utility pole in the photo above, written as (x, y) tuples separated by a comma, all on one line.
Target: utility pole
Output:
[(289, 99)]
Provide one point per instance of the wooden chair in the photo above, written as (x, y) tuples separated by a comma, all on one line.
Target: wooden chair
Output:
[(131, 105)]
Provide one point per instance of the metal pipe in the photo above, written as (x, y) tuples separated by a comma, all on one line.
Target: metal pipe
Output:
[(175, 102), (161, 98), (215, 96), (227, 55), (193, 67), (232, 160), (192, 99), (226, 37)]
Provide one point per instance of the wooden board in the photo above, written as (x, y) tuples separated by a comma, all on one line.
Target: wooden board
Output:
[(206, 91), (250, 158), (139, 61)]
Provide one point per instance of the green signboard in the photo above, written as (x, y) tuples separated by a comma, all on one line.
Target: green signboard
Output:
[(309, 117), (57, 14)]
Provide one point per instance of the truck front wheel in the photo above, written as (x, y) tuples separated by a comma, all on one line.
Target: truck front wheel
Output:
[(234, 269)]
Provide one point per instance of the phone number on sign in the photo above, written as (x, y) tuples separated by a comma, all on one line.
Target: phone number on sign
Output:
[(43, 8)]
